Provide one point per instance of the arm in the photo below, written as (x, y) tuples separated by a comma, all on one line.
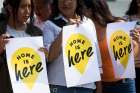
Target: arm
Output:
[(3, 41), (136, 45), (55, 48), (98, 87), (136, 48), (136, 42)]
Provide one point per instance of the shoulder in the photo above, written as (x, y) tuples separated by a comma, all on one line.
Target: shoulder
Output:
[(50, 25), (59, 21), (131, 17), (126, 17), (119, 19)]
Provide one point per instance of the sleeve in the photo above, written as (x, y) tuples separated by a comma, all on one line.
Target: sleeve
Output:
[(51, 31)]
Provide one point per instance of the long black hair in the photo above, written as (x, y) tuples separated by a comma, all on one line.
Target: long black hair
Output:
[(100, 11), (31, 29), (15, 6), (56, 12), (133, 8)]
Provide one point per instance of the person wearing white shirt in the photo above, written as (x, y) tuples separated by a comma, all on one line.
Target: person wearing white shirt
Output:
[(52, 31)]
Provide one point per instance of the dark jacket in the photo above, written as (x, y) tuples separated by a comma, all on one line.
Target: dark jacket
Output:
[(5, 83)]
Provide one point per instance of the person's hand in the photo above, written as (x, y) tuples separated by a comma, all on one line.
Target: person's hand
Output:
[(135, 41), (135, 35), (76, 20), (42, 49), (3, 41)]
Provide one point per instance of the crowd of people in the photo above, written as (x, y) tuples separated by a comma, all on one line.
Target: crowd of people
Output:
[(27, 18)]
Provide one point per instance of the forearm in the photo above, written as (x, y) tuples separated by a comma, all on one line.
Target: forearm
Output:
[(3, 42), (55, 48), (98, 87), (136, 48)]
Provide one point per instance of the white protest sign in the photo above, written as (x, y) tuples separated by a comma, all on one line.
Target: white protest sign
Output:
[(121, 49), (27, 65), (79, 54)]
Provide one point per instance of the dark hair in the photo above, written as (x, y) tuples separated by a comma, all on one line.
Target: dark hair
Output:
[(133, 8), (55, 9), (100, 11), (15, 6), (45, 2)]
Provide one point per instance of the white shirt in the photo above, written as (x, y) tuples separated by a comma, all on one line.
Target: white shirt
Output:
[(48, 35), (12, 32)]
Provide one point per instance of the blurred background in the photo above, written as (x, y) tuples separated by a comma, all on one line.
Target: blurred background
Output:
[(1, 2), (117, 7)]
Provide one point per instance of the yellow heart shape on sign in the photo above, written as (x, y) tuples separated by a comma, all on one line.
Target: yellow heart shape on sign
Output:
[(120, 44), (78, 50), (26, 63)]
